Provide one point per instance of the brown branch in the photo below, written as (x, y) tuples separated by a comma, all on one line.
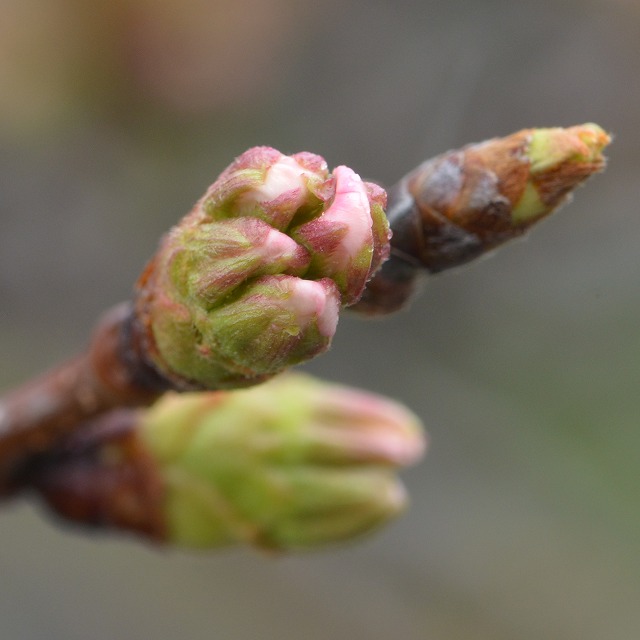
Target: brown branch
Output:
[(320, 459), (444, 213), (102, 477), (465, 203), (112, 372)]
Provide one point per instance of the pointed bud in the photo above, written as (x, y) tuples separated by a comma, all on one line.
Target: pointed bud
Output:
[(251, 281), (473, 200), (463, 204), (559, 160), (289, 464)]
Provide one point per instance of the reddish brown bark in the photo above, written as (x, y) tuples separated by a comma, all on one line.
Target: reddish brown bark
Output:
[(113, 372), (103, 477)]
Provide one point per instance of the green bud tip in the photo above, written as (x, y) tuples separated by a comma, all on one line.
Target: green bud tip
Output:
[(466, 202), (559, 160), (291, 464)]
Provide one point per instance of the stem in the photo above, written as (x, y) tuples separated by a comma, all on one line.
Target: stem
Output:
[(289, 464), (444, 213), (101, 476), (111, 373)]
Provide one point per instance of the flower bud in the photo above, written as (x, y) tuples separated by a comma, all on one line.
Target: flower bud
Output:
[(465, 203), (472, 200), (559, 160), (250, 282), (290, 464)]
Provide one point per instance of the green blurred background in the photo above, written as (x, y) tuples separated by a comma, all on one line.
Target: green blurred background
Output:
[(525, 523)]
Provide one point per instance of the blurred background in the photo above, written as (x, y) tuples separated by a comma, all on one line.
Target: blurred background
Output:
[(525, 518)]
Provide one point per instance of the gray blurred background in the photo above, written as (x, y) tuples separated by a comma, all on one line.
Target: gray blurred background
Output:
[(525, 523)]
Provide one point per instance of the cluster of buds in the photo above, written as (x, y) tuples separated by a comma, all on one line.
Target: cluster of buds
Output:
[(291, 464), (251, 281), (246, 285)]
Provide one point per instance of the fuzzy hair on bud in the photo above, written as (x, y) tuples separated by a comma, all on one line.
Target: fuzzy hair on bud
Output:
[(291, 464), (251, 281)]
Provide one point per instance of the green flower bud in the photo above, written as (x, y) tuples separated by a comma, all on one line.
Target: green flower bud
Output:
[(559, 160), (251, 281), (290, 464), (465, 203)]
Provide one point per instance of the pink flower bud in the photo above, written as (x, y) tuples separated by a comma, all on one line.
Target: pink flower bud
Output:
[(250, 282)]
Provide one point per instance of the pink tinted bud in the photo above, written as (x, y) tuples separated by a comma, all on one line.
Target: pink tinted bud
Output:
[(358, 426), (266, 184), (250, 282), (291, 464), (314, 301), (341, 239), (223, 255), (277, 322)]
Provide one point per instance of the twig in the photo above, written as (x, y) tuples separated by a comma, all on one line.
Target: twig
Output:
[(291, 464), (102, 477), (193, 323), (465, 203), (112, 372)]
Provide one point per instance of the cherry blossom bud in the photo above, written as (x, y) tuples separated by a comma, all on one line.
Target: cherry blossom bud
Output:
[(251, 281), (466, 202), (290, 464)]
